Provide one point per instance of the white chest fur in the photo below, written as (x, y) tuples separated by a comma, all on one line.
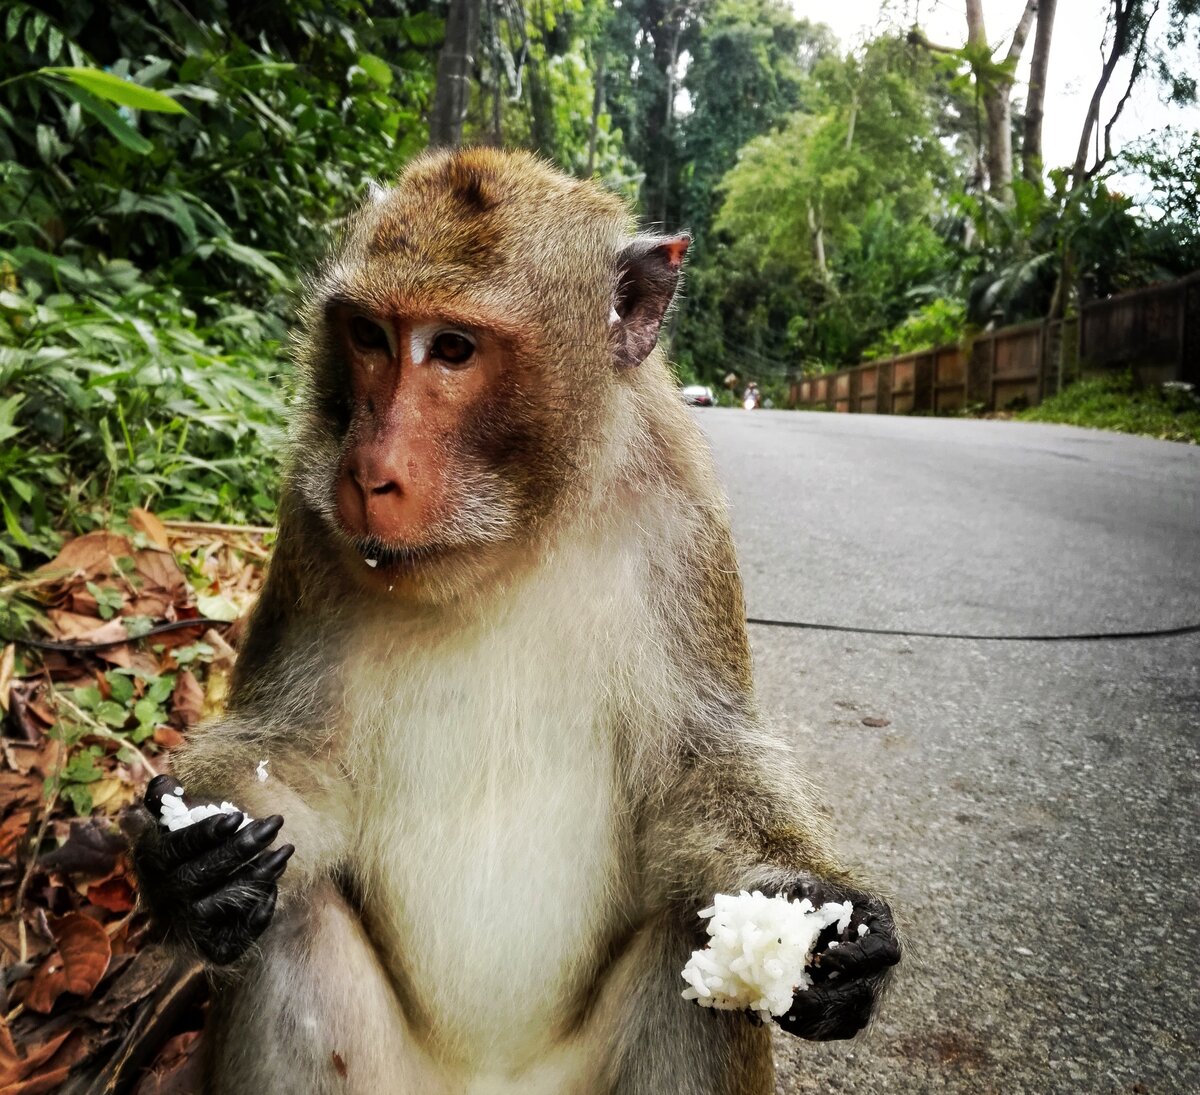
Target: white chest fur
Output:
[(489, 783)]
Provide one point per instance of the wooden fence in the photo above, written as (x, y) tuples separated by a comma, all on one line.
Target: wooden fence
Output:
[(1155, 332)]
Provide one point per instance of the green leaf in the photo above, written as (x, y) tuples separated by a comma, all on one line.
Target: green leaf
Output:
[(120, 685), (216, 607), (82, 768), (88, 698), (146, 711), (112, 713), (106, 116), (376, 68), (160, 688), (116, 90), (14, 21), (141, 732), (79, 797)]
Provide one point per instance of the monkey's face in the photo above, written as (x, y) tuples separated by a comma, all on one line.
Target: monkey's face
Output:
[(464, 355), (424, 470)]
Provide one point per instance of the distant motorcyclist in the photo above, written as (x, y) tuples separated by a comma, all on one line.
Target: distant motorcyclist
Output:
[(751, 398)]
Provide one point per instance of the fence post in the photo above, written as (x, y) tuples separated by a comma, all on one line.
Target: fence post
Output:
[(883, 387), (923, 381), (1190, 343), (979, 370)]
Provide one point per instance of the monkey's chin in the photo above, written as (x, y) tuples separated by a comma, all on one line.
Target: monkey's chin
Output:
[(426, 575)]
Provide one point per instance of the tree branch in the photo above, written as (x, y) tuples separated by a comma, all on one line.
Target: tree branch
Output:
[(1121, 18), (1139, 61), (1021, 34)]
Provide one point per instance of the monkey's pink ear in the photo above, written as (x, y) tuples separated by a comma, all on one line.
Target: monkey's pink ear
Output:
[(647, 276)]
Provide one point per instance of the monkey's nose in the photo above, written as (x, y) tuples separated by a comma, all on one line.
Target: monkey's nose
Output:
[(374, 478)]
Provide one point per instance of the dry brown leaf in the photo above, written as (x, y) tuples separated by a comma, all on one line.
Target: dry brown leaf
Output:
[(45, 1084), (216, 691), (160, 572), (113, 894), (223, 654), (17, 790), (76, 628), (111, 795), (12, 830), (90, 556), (168, 737), (150, 526), (20, 756), (8, 662), (14, 1067), (76, 965), (177, 1070), (187, 700), (156, 604)]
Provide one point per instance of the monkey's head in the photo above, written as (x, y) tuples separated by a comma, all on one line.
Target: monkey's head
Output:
[(466, 354)]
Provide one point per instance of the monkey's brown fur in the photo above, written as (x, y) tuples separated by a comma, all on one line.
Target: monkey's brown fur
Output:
[(553, 734)]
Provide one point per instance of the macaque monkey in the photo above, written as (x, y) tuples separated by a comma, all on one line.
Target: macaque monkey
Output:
[(500, 675)]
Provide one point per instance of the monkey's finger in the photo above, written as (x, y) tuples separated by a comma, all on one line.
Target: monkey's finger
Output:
[(261, 916), (156, 790), (830, 1012), (188, 843), (864, 956), (270, 865), (218, 866), (232, 904)]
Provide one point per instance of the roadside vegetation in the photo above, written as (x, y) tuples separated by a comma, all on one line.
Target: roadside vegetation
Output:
[(1117, 403)]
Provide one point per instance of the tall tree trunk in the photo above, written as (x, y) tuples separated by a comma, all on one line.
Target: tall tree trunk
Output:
[(817, 232), (1031, 145), (997, 97), (541, 106), (664, 188), (455, 63), (1124, 13)]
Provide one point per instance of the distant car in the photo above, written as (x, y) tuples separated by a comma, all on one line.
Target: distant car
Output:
[(698, 395)]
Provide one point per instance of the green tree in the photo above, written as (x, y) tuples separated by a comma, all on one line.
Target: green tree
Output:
[(837, 213), (752, 61)]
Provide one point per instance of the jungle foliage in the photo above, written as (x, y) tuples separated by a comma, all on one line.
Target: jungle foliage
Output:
[(167, 168)]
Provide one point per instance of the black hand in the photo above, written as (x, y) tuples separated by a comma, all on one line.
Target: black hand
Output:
[(211, 884), (849, 969)]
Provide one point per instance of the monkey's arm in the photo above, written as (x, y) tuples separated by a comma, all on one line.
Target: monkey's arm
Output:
[(741, 820)]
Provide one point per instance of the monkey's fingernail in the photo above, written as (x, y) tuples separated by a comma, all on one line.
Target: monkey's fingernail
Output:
[(227, 824), (271, 865), (265, 828)]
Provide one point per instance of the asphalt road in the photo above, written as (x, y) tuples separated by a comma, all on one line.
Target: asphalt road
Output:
[(1033, 808)]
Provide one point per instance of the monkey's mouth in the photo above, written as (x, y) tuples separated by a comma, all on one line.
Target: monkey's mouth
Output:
[(391, 560)]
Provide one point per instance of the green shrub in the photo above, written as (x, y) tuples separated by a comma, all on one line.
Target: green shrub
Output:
[(115, 396), (1117, 403)]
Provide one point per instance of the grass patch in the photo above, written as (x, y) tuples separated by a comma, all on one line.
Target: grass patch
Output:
[(1116, 403)]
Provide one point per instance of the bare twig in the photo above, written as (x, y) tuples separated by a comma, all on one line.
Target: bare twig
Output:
[(43, 825), (213, 526), (1134, 73)]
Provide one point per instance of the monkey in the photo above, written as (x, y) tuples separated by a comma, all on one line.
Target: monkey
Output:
[(500, 673)]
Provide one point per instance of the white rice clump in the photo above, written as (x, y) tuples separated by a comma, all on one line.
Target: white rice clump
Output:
[(759, 950), (175, 815)]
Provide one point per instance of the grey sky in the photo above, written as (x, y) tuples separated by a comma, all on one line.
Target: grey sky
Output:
[(1074, 60)]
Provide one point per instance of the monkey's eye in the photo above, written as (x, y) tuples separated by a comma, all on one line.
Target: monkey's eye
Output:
[(368, 335), (452, 348)]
